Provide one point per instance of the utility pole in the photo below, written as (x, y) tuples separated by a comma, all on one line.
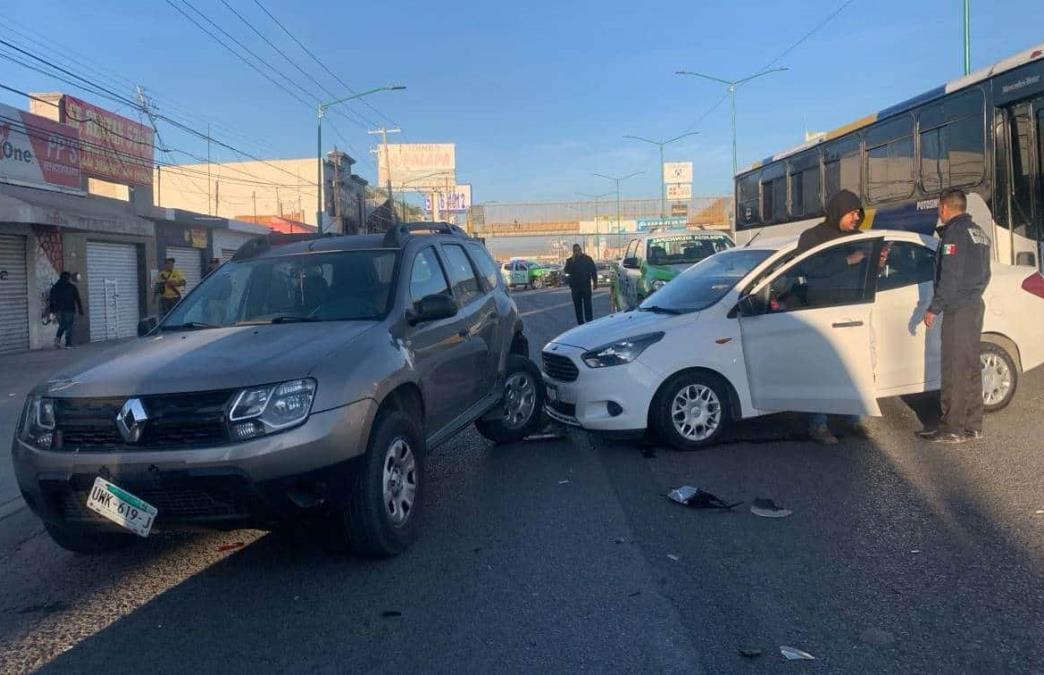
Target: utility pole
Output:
[(254, 195), (383, 132), (663, 178), (967, 37), (217, 193), (208, 169), (337, 189), (159, 185)]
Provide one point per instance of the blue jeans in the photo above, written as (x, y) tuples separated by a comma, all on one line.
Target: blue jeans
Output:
[(65, 325), (816, 420)]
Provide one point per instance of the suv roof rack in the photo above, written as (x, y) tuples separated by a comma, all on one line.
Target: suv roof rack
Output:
[(258, 245), (397, 236)]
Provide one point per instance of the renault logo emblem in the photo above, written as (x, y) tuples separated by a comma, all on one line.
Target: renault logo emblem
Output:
[(131, 420)]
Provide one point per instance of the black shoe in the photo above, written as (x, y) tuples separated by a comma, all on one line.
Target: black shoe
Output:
[(948, 438), (976, 435)]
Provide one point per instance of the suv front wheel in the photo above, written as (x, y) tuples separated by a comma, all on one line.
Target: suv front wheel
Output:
[(522, 408), (382, 513)]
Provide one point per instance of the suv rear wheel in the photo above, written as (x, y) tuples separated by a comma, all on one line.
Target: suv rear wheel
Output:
[(383, 511), (523, 406), (89, 543)]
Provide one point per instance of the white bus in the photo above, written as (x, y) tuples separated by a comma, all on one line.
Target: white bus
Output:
[(983, 133)]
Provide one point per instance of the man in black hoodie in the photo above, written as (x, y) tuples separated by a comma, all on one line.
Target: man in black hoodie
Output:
[(64, 302), (844, 213)]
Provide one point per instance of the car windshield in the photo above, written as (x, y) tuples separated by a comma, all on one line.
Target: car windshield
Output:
[(335, 286), (706, 282), (685, 249)]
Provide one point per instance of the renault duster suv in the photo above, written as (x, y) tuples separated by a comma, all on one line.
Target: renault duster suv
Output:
[(308, 376)]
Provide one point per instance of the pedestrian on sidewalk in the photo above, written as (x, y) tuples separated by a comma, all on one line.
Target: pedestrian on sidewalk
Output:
[(962, 271), (170, 286), (212, 267), (64, 302), (844, 213), (583, 278)]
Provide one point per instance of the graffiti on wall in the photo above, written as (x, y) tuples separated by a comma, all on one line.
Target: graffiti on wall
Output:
[(49, 258)]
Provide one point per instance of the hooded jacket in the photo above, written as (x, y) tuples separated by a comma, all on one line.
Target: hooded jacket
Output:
[(830, 228)]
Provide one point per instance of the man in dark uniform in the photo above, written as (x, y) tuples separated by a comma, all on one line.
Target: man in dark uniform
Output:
[(962, 271), (583, 277), (64, 302)]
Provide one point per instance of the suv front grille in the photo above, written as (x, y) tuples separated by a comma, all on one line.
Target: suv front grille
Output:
[(171, 505), (560, 367), (175, 421)]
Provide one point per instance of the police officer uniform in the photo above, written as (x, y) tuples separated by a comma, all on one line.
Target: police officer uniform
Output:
[(962, 271)]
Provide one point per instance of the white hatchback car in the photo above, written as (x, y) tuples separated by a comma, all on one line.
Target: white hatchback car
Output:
[(758, 329)]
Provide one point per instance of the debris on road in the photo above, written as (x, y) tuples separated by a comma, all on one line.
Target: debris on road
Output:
[(795, 654), (750, 652), (673, 557), (390, 613), (634, 595), (766, 508), (1040, 512), (916, 551), (563, 482), (696, 498), (230, 547)]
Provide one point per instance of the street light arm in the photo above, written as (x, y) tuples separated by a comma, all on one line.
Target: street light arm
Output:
[(602, 175), (390, 87), (706, 77), (632, 175), (757, 75), (645, 140), (678, 138)]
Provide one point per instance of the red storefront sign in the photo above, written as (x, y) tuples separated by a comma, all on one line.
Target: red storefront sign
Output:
[(114, 148), (38, 152)]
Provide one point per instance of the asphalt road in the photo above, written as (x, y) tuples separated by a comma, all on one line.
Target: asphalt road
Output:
[(563, 555)]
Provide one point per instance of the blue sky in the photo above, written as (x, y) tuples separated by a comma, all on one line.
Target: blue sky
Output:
[(537, 95)]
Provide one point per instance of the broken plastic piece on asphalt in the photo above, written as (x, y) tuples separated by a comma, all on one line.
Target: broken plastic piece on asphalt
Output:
[(390, 613), (673, 557), (766, 508), (562, 482), (698, 499), (916, 550), (750, 652), (795, 654), (230, 547), (1040, 512)]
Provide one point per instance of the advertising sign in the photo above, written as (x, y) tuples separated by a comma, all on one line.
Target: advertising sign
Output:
[(115, 148), (679, 191), (38, 152), (457, 199), (680, 209), (677, 172), (418, 166), (671, 222)]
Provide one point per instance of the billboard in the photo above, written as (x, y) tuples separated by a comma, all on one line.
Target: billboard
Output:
[(677, 172), (679, 191), (457, 199), (38, 152), (115, 148), (417, 166)]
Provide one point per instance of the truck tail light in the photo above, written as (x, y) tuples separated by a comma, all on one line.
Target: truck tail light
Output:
[(1034, 283)]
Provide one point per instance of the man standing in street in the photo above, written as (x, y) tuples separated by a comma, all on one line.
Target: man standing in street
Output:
[(170, 286), (64, 302), (962, 271), (583, 277), (844, 213)]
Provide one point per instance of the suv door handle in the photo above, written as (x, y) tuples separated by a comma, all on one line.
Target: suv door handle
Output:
[(848, 324)]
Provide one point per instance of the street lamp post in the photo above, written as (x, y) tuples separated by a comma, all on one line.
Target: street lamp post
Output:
[(967, 37), (663, 178), (320, 113), (598, 234), (618, 180), (732, 85)]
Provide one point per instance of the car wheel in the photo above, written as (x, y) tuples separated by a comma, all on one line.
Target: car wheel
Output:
[(383, 510), (89, 543), (691, 410), (523, 405), (1000, 377)]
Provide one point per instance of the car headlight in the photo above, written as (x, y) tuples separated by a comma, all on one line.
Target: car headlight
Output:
[(620, 352), (258, 411), (38, 423), (658, 284)]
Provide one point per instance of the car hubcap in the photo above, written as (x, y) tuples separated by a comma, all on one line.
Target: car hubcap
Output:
[(400, 481), (996, 379), (519, 400), (696, 412)]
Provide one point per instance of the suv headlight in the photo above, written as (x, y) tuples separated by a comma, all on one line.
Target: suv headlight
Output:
[(258, 411), (620, 352), (37, 425)]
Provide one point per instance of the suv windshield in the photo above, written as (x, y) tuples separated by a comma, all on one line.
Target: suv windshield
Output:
[(335, 286), (705, 283), (685, 249)]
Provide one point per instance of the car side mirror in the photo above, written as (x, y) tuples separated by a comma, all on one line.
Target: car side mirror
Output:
[(1026, 258), (432, 308), (146, 326), (630, 263)]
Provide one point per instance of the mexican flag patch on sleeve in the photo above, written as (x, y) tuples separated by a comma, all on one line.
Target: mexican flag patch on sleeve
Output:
[(949, 249)]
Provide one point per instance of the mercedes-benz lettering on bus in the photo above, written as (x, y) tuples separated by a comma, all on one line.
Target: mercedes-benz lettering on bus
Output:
[(983, 133)]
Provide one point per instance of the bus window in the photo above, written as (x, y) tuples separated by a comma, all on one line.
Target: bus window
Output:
[(889, 160), (747, 213), (804, 185), (842, 168), (953, 143), (774, 193)]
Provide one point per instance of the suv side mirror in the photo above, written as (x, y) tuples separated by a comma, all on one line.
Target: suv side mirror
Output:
[(432, 308), (146, 326), (630, 263)]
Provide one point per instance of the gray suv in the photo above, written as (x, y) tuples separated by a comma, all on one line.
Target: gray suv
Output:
[(306, 377)]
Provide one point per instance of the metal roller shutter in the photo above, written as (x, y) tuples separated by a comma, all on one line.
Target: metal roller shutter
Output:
[(14, 295), (113, 294), (187, 261), (227, 253)]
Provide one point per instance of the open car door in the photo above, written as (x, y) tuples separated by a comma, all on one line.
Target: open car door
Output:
[(806, 333)]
